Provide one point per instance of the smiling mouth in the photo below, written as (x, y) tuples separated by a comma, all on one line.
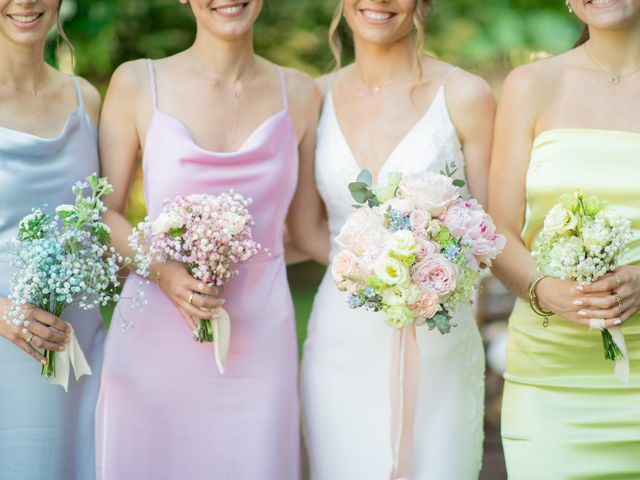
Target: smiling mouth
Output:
[(25, 18), (231, 10), (376, 15), (601, 3)]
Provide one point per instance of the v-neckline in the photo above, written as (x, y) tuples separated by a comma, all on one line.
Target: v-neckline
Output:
[(395, 149)]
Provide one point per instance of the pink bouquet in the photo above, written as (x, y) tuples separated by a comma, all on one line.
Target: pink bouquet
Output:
[(209, 234), (414, 248)]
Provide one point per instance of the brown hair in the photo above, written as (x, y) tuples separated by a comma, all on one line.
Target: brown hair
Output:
[(420, 15), (584, 36)]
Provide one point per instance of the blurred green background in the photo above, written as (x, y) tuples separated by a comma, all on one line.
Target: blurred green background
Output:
[(487, 37)]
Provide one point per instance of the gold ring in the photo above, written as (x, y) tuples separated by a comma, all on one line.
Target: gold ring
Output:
[(618, 300), (190, 298), (617, 280)]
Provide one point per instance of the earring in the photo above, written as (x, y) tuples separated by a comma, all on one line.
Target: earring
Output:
[(569, 6)]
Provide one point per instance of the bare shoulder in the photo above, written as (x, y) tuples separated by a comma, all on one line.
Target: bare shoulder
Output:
[(465, 89), (302, 90), (324, 82), (131, 77), (535, 81)]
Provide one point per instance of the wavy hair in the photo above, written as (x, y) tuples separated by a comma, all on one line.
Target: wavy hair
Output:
[(423, 7)]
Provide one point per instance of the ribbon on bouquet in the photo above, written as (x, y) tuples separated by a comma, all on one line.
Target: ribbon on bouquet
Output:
[(221, 325), (71, 358), (621, 369), (404, 378)]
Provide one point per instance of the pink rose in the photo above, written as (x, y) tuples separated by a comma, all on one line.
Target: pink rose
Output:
[(361, 226), (488, 247), (419, 219), (428, 191), (426, 306), (345, 264), (426, 248), (435, 273)]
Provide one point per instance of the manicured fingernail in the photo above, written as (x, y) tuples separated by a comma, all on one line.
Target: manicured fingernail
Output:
[(43, 362), (61, 349), (578, 302), (221, 301), (617, 323), (215, 315), (582, 313), (67, 340), (579, 288)]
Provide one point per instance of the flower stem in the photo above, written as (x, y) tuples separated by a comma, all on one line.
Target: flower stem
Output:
[(611, 350), (205, 331), (49, 370)]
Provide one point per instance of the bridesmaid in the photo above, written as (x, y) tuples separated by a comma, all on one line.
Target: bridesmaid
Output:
[(421, 114), (566, 123), (208, 119), (47, 142)]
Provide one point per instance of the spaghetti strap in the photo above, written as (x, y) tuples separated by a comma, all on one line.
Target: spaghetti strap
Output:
[(284, 89), (448, 74), (152, 81), (76, 82)]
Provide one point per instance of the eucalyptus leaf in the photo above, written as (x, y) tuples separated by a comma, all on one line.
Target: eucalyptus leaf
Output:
[(459, 183), (365, 177)]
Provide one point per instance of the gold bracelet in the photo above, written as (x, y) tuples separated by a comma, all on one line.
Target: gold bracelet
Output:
[(158, 277), (534, 303)]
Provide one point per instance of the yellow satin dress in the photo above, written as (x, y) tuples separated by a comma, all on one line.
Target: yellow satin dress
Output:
[(564, 415)]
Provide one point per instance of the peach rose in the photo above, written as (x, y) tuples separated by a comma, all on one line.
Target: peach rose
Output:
[(435, 273), (426, 306)]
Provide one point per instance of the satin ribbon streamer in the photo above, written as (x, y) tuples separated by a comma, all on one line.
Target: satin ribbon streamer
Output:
[(621, 370), (405, 378), (221, 325), (71, 357)]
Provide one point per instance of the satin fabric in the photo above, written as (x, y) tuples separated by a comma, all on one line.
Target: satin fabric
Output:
[(45, 432), (165, 412), (564, 414), (349, 354)]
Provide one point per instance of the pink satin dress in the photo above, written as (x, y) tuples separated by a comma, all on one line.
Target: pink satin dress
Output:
[(164, 411)]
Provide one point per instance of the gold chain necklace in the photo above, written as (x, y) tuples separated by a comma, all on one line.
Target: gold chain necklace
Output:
[(613, 78), (34, 93)]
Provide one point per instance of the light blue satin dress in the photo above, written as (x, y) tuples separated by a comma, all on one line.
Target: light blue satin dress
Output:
[(46, 433)]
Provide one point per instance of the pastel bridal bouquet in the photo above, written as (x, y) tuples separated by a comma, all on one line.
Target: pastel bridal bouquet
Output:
[(209, 234), (582, 240), (414, 248), (61, 260)]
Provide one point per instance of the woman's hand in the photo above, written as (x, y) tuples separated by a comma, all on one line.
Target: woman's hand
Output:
[(193, 299), (573, 302), (41, 330), (615, 296)]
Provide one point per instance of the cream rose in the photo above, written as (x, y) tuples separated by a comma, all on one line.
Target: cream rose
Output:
[(426, 306), (362, 226), (560, 220), (391, 271), (403, 243), (398, 316), (344, 264), (428, 191), (165, 222)]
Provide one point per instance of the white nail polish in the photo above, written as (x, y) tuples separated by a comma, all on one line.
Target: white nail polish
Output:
[(578, 303)]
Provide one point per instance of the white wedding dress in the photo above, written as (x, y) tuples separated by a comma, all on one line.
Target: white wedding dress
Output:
[(346, 365)]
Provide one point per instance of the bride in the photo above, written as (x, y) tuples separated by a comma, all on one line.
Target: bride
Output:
[(393, 109)]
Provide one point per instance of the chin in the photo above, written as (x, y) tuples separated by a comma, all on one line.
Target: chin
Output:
[(609, 14)]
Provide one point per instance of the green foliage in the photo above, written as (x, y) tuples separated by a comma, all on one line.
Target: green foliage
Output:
[(481, 35)]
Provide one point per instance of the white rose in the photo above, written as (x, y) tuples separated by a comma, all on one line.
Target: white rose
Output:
[(560, 220), (403, 243), (391, 271), (396, 295), (165, 222)]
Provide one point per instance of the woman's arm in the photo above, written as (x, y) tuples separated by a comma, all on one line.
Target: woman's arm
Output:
[(473, 109), (126, 112), (307, 220), (514, 135)]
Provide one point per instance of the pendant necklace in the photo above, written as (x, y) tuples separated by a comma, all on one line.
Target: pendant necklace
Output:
[(614, 79)]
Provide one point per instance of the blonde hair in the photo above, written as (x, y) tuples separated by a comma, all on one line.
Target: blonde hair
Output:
[(63, 36), (420, 15)]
